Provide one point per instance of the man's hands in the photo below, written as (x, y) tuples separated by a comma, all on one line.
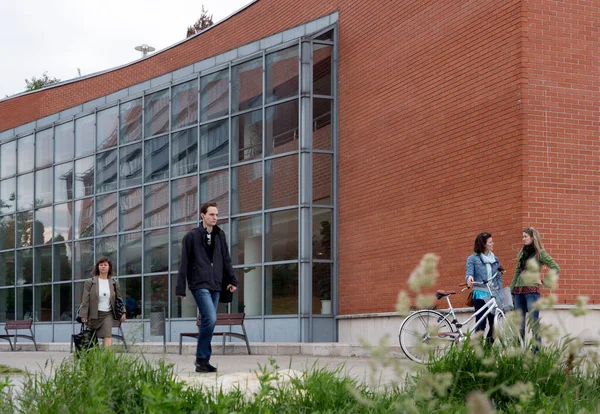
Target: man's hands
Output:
[(231, 288)]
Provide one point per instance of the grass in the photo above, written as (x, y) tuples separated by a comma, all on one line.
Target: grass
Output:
[(4, 370)]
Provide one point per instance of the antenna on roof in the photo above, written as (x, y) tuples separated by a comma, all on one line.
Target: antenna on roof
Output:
[(145, 49)]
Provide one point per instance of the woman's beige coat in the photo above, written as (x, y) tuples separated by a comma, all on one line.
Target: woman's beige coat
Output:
[(91, 297)]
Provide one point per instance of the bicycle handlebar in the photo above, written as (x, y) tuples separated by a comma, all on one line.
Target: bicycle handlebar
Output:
[(483, 282)]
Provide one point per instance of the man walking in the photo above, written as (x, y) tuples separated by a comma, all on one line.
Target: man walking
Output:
[(206, 265)]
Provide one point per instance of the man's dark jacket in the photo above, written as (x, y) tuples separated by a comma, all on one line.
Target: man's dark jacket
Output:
[(197, 268)]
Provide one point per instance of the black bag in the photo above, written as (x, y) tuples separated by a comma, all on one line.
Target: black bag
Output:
[(85, 339), (119, 309)]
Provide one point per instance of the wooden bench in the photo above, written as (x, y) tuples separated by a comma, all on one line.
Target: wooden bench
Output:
[(223, 319), (120, 336), (16, 326)]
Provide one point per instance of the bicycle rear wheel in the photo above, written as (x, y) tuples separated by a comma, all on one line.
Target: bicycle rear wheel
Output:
[(505, 332), (425, 335)]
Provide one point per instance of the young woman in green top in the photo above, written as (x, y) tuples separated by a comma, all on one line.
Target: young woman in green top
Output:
[(527, 292)]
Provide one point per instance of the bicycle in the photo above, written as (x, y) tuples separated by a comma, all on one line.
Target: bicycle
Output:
[(427, 334)]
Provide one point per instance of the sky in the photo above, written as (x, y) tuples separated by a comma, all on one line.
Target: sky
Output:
[(60, 36)]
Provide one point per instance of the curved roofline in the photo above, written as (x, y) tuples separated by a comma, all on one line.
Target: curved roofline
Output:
[(102, 72)]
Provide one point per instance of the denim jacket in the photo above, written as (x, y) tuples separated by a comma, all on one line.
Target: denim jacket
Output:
[(478, 269)]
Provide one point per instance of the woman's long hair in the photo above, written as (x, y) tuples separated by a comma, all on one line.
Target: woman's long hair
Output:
[(537, 239), (97, 266)]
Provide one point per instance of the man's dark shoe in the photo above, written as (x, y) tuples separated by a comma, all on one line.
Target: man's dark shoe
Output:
[(202, 365)]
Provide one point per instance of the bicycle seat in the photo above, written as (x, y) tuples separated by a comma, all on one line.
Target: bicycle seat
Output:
[(443, 293)]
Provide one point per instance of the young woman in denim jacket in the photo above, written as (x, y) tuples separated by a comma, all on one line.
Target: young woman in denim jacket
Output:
[(527, 292), (482, 265)]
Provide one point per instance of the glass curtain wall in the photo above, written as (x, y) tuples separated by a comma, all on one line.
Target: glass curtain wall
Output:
[(126, 181)]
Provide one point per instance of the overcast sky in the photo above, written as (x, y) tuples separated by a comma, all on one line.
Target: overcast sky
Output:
[(59, 36)]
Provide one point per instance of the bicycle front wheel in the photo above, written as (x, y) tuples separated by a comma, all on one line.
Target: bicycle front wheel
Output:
[(425, 335), (506, 332)]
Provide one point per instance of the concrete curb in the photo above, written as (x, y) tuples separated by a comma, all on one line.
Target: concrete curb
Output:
[(321, 349)]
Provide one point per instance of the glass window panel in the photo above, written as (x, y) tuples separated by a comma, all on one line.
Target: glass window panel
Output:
[(25, 191), (63, 303), (322, 132), (281, 235), (214, 145), (43, 231), (106, 214), (156, 114), (156, 294), (130, 209), (246, 85), (43, 303), (130, 165), (63, 261), (214, 186), (248, 297), (107, 122), (281, 182), (63, 182), (246, 136), (156, 159), (247, 196), (184, 104), (214, 95), (7, 270), (7, 196), (84, 218), (177, 234), (78, 295), (130, 259), (184, 152), (321, 233), (63, 142), (322, 81), (131, 289), (24, 267), (8, 157), (246, 240), (282, 128), (25, 229), (7, 232), (44, 148), (107, 247), (43, 264), (156, 205), (85, 140), (25, 150), (322, 178), (7, 312), (131, 121), (84, 259), (156, 251), (106, 171), (43, 187), (281, 289), (84, 177), (184, 200), (179, 308), (25, 302), (63, 222), (282, 74)]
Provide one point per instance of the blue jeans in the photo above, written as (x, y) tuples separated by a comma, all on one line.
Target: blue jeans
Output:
[(207, 301), (524, 304)]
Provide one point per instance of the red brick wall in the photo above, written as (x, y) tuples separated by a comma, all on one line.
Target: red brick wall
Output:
[(561, 159), (455, 117)]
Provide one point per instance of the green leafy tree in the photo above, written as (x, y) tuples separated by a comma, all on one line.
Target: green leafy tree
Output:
[(202, 23), (39, 83)]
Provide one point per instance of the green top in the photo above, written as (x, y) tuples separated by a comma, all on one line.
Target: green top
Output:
[(543, 259)]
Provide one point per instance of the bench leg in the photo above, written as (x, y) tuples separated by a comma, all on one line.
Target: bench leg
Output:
[(246, 339), (180, 343), (224, 344), (33, 339), (123, 337)]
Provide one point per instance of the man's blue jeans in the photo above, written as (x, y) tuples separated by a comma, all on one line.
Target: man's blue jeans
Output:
[(524, 305), (207, 301)]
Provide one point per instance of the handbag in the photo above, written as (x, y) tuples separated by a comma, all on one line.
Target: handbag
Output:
[(469, 301), (119, 309), (85, 339)]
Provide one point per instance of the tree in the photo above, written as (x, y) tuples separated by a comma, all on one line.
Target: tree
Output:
[(42, 82), (202, 23)]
